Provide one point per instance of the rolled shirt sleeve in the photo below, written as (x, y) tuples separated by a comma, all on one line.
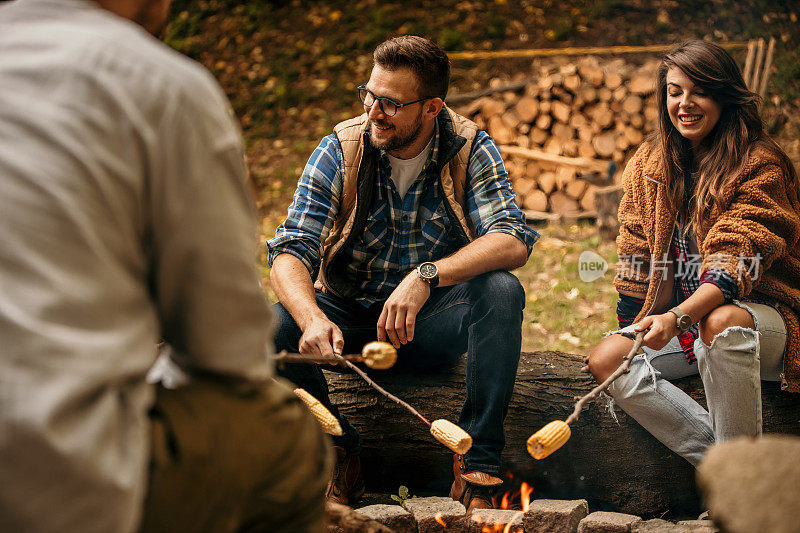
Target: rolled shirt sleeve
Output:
[(313, 208), (490, 197), (723, 281), (628, 308)]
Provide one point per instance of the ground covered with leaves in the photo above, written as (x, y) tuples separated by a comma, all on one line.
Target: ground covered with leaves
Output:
[(290, 69)]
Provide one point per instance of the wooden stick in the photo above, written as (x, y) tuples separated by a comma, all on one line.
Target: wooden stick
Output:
[(466, 97), (547, 52), (381, 389), (286, 357), (594, 165), (762, 90), (539, 216), (377, 355), (622, 369), (748, 63), (757, 65), (553, 435)]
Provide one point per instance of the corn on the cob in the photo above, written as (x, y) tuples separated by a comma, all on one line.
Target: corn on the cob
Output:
[(451, 436), (329, 423), (548, 439), (380, 355)]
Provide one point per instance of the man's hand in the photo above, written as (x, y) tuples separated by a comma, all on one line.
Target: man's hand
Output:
[(662, 329), (321, 337), (399, 313)]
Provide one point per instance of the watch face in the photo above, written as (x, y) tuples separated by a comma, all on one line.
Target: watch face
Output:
[(685, 322), (428, 270)]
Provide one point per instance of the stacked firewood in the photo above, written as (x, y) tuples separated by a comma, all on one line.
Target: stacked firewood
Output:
[(581, 109)]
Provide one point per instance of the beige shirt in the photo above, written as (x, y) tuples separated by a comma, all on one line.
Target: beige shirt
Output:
[(124, 219)]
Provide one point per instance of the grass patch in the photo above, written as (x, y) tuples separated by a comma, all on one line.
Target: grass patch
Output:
[(563, 312)]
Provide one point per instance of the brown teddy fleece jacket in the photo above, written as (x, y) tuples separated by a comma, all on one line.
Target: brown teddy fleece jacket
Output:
[(758, 214)]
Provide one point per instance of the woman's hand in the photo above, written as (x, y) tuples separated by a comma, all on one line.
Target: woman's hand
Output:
[(662, 329)]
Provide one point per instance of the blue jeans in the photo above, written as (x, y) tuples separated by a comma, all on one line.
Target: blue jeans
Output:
[(731, 368), (482, 317)]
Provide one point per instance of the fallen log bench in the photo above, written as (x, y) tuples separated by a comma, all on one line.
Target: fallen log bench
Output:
[(615, 465)]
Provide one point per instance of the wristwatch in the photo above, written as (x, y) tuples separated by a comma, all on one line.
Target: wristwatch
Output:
[(683, 321), (429, 272)]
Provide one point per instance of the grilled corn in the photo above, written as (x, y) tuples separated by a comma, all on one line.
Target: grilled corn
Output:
[(548, 439), (451, 436), (328, 422)]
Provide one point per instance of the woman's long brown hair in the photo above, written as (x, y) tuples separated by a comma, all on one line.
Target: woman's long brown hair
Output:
[(726, 149)]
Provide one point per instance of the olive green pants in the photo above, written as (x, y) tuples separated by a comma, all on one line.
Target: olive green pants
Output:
[(235, 459)]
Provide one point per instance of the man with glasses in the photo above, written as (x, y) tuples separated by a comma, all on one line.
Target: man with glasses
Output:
[(403, 228)]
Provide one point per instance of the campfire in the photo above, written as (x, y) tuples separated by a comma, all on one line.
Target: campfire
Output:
[(508, 518)]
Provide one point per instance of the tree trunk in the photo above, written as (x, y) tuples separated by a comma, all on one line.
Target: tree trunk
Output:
[(615, 466), (606, 200)]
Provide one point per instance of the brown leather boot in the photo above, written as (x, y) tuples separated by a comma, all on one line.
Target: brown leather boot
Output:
[(347, 483), (474, 489)]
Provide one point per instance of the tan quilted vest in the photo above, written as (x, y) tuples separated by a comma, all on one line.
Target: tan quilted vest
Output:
[(456, 136)]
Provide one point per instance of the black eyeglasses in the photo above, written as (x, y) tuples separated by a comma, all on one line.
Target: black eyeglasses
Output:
[(388, 106)]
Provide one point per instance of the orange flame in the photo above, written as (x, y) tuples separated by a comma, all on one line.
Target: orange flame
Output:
[(504, 504), (525, 492), (438, 518)]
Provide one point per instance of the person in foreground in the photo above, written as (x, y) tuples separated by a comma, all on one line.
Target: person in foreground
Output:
[(125, 219), (405, 218), (709, 259)]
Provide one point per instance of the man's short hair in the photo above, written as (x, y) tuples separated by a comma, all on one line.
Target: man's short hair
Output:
[(425, 59)]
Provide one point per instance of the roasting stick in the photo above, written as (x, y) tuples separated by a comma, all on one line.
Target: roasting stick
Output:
[(444, 431), (553, 435), (374, 355), (381, 389), (380, 355)]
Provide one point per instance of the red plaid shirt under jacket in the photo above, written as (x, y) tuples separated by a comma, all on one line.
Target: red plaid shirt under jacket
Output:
[(687, 262)]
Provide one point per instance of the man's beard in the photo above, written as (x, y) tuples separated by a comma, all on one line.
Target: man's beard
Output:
[(400, 139)]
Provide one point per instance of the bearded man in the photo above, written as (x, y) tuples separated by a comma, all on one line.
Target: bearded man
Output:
[(406, 220)]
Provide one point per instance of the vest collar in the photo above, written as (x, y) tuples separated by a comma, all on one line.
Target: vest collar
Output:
[(447, 143)]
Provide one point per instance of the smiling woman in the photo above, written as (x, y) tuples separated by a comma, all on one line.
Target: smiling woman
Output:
[(691, 110), (709, 259)]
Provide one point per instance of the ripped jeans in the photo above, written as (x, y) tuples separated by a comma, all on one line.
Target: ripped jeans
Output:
[(731, 368)]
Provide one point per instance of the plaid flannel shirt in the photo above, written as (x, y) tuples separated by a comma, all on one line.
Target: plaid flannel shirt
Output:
[(688, 279), (400, 232)]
